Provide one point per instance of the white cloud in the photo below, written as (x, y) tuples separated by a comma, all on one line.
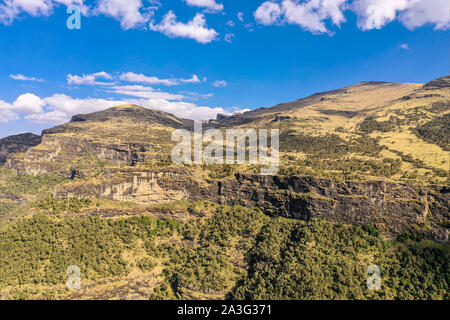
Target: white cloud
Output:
[(134, 77), (404, 46), (92, 79), (145, 92), (89, 79), (21, 77), (6, 112), (375, 14), (220, 83), (240, 16), (194, 79), (181, 109), (268, 13), (312, 15), (11, 9), (211, 5), (59, 108), (229, 37), (28, 103), (195, 29), (231, 23), (434, 12), (130, 13)]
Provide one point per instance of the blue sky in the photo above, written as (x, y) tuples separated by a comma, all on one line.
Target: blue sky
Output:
[(197, 58)]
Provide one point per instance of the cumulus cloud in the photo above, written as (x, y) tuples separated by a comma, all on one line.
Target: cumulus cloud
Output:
[(375, 14), (6, 112), (220, 83), (11, 9), (59, 108), (28, 103), (130, 13), (268, 13), (89, 79), (210, 5), (21, 77), (195, 29), (312, 15)]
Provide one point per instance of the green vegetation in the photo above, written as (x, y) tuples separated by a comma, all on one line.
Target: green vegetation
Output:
[(38, 250), (5, 208), (437, 131), (369, 125), (51, 205), (246, 255), (219, 171), (20, 184), (331, 156), (234, 252), (350, 168), (319, 260)]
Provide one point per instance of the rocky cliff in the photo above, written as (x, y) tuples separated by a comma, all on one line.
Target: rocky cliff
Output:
[(394, 208)]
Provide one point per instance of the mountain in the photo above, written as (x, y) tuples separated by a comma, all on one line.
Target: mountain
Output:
[(363, 180), (122, 134)]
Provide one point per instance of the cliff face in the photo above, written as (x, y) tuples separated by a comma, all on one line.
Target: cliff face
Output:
[(395, 208), (17, 143)]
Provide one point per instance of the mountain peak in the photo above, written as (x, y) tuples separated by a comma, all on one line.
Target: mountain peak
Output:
[(126, 112)]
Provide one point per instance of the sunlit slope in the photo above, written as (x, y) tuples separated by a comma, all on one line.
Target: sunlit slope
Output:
[(371, 129)]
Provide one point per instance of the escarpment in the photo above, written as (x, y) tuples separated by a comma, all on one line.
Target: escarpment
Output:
[(394, 208)]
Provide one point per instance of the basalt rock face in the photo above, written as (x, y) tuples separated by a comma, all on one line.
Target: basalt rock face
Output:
[(17, 143), (394, 208)]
